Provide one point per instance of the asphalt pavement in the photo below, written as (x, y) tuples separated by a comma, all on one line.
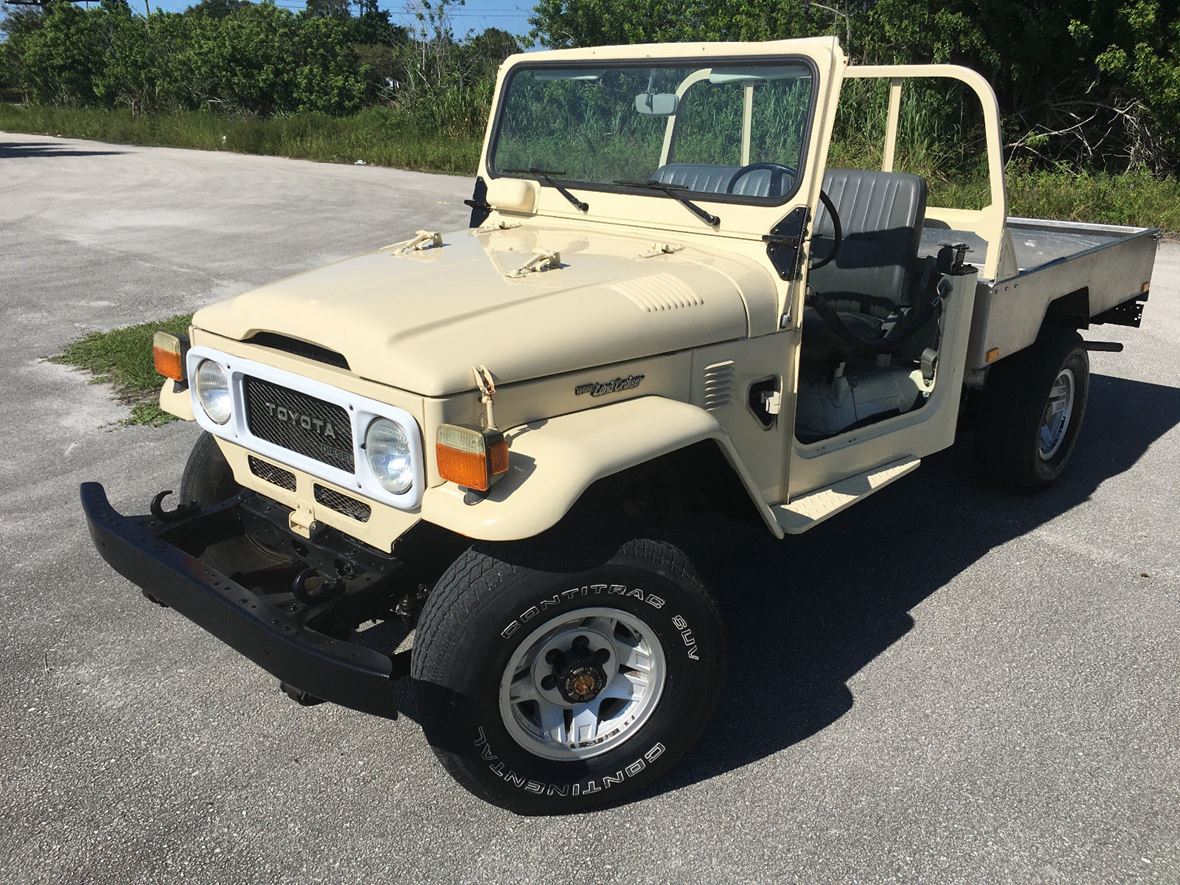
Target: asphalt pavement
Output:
[(945, 684)]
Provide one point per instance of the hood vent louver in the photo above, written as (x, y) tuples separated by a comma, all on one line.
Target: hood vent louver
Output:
[(659, 292), (296, 347)]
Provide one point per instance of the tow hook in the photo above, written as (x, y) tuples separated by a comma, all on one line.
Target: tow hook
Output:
[(311, 594), (181, 511)]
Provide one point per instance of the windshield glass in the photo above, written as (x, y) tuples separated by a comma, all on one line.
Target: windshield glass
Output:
[(681, 126)]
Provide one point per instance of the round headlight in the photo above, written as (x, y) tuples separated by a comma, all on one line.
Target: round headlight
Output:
[(388, 451), (213, 391)]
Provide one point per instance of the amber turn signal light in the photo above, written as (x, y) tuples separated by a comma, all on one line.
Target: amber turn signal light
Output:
[(472, 457), (168, 355)]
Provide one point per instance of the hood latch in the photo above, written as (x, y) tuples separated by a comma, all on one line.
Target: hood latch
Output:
[(539, 262), (423, 239), (487, 393)]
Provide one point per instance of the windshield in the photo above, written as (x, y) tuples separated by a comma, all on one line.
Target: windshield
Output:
[(733, 130)]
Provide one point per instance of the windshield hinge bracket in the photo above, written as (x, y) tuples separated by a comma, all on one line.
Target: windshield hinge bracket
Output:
[(499, 225), (784, 243), (658, 249)]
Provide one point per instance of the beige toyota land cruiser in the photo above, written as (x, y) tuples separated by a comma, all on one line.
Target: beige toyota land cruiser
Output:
[(482, 440)]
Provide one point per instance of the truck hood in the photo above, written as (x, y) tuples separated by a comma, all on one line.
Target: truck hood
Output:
[(419, 321)]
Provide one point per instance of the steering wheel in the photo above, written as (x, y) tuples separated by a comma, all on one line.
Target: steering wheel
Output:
[(776, 176), (837, 231)]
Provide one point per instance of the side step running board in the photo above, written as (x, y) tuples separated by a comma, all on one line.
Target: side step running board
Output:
[(813, 508)]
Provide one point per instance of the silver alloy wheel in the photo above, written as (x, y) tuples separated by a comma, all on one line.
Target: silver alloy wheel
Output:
[(1055, 418), (621, 682)]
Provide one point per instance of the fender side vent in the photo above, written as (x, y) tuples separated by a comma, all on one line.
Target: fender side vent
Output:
[(350, 507), (296, 347), (272, 473), (718, 385)]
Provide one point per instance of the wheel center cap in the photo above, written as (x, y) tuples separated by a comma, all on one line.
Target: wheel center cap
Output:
[(581, 684)]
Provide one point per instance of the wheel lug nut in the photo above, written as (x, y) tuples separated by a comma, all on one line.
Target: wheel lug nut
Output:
[(549, 682), (555, 657), (581, 642), (602, 655)]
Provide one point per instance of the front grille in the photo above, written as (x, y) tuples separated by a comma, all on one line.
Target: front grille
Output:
[(299, 422), (351, 507), (272, 473)]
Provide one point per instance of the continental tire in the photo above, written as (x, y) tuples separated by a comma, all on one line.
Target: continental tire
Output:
[(1032, 410), (556, 677)]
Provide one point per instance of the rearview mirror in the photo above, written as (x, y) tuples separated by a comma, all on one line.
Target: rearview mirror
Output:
[(585, 74), (656, 104)]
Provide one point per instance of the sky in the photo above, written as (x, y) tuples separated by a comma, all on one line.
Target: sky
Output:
[(475, 15)]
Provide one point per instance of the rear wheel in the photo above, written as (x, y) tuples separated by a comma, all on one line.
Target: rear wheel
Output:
[(1032, 411), (555, 679)]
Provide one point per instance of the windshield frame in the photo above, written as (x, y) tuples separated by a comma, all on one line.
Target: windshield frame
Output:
[(662, 62)]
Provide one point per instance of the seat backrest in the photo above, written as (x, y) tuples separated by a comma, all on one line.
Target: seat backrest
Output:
[(715, 179), (881, 216)]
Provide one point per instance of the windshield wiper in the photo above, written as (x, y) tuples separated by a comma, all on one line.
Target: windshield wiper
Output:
[(547, 176), (670, 190)]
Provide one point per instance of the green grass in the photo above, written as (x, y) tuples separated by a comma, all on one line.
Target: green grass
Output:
[(378, 136), (123, 358)]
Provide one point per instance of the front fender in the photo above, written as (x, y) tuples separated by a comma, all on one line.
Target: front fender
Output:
[(554, 461), (176, 400)]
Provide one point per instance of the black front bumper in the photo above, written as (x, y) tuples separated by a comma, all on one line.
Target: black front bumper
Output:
[(267, 628)]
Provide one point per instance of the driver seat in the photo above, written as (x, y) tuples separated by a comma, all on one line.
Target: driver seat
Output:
[(873, 274), (708, 179)]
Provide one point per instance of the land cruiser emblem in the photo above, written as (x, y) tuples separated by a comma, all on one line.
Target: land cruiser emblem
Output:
[(601, 388)]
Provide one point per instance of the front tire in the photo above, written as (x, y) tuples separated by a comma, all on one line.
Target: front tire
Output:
[(553, 678), (208, 480), (1032, 411)]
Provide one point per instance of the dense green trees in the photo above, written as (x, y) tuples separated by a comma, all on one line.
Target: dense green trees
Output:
[(1086, 82), (236, 56)]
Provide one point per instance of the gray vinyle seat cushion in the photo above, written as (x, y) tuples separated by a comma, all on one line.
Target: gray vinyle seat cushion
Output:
[(881, 217), (715, 179)]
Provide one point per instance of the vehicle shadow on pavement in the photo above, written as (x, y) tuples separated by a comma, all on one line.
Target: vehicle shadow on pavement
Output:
[(12, 150), (806, 614)]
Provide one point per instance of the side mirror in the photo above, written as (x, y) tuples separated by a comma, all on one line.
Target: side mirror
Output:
[(512, 194), (656, 104)]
